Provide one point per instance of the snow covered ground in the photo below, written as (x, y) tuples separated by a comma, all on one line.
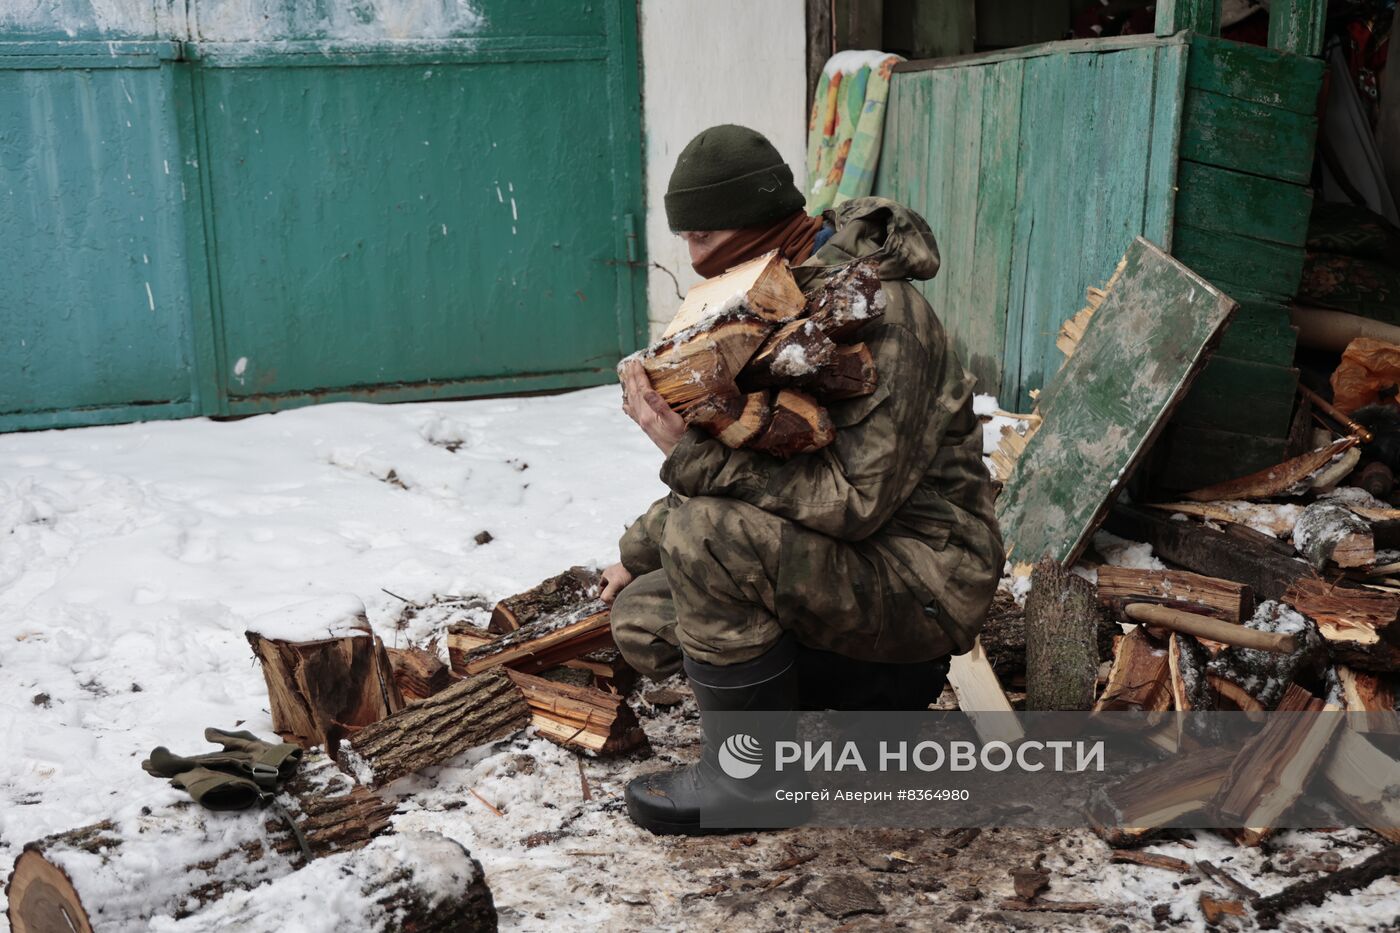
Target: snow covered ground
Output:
[(133, 557)]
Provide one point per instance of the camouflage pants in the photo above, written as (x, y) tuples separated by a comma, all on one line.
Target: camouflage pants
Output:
[(735, 577)]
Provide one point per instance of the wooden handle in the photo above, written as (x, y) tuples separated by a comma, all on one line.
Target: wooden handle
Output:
[(1358, 429), (1189, 623)]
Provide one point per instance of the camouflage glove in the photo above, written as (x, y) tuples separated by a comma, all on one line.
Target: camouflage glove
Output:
[(283, 757)]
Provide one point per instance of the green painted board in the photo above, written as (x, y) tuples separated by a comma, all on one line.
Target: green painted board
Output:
[(1251, 73), (1248, 137), (1202, 16), (1137, 357), (1260, 332), (1243, 396), (1298, 25), (1236, 262), (1190, 457), (1232, 202)]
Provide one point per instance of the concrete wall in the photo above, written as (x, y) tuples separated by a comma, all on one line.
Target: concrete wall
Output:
[(720, 61)]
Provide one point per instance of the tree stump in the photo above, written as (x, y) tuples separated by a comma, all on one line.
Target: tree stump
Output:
[(480, 709), (1062, 656), (422, 882), (117, 874), (321, 691)]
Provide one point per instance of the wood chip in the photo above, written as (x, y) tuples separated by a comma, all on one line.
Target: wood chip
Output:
[(1151, 860)]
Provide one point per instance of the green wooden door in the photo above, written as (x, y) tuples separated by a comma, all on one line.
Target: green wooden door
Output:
[(322, 211)]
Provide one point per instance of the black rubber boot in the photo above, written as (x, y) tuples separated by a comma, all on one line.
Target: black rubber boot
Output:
[(673, 802), (833, 681)]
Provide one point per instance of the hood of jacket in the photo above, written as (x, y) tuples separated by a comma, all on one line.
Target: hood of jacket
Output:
[(879, 227)]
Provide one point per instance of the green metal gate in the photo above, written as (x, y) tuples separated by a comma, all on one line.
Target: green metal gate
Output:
[(304, 212)]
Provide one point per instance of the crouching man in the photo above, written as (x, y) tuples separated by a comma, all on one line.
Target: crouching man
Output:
[(843, 578)]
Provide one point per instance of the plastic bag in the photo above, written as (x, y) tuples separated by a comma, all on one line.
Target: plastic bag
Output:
[(1369, 372)]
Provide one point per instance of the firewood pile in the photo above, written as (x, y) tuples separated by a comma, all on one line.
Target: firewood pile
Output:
[(368, 716), (753, 361)]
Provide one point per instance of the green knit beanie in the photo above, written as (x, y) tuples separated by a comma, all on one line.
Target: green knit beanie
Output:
[(727, 177)]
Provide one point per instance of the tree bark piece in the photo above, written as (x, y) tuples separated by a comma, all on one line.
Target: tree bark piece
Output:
[(1207, 551), (762, 287), (850, 298), (118, 874), (321, 691), (1275, 765), (422, 882), (580, 717), (548, 641), (1151, 860), (1358, 624), (799, 425), (850, 374), (1139, 678), (419, 673), (1176, 589), (1287, 478), (1227, 633), (792, 356), (472, 712), (1062, 657), (569, 588), (1383, 864), (1217, 909), (1330, 531)]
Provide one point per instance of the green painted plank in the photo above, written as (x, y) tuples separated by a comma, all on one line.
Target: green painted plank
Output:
[(1190, 457), (995, 222), (1201, 16), (962, 236), (1248, 137), (1213, 198), (1107, 405), (1260, 333), (1248, 72), (1241, 396), (89, 417), (1159, 191), (1298, 25), (1233, 261), (1041, 50)]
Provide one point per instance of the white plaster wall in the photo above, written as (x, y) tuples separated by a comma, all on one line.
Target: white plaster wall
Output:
[(706, 62)]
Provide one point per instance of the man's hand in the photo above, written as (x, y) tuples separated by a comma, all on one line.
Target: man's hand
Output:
[(645, 406), (615, 580)]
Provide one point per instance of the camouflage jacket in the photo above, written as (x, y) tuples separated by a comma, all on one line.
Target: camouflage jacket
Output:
[(904, 476)]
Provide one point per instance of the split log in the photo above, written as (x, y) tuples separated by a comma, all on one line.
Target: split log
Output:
[(1329, 531), (1207, 551), (702, 363), (849, 298), (462, 639), (792, 356), (1186, 662), (580, 717), (472, 712), (1227, 633), (798, 426), (1274, 518), (573, 586), (1139, 678), (1358, 624), (1292, 477), (737, 420), (422, 882), (1370, 698), (1276, 764), (1383, 864), (418, 673), (1131, 811), (1264, 672), (546, 642), (850, 374), (1362, 779), (1062, 658), (762, 287), (1176, 589), (167, 862), (610, 671), (322, 690), (980, 695)]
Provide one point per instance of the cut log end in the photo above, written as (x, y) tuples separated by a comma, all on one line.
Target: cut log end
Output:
[(799, 425), (850, 374), (43, 899)]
